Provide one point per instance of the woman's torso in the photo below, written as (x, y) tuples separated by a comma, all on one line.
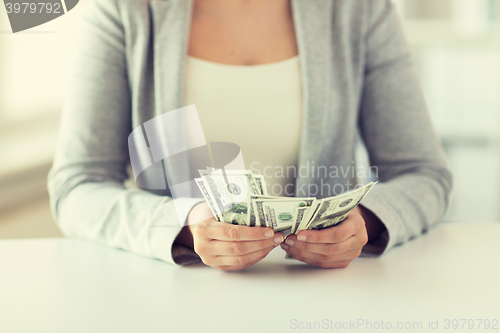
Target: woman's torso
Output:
[(243, 75), (331, 39), (258, 107)]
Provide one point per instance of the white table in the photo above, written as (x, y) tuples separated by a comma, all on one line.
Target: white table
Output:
[(71, 286)]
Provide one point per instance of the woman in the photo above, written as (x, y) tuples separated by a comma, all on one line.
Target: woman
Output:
[(339, 66)]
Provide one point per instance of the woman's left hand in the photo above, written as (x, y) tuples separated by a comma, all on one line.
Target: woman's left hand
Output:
[(333, 247)]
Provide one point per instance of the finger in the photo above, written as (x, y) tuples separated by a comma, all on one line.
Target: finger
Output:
[(335, 261), (349, 244), (243, 260), (231, 232), (243, 247), (353, 224), (199, 229)]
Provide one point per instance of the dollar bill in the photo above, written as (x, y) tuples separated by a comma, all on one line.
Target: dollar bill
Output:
[(231, 196), (310, 212), (261, 183), (280, 213), (258, 210), (257, 185), (208, 198), (336, 209), (240, 197), (300, 213)]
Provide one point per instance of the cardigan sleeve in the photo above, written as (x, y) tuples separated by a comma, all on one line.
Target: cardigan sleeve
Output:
[(88, 198), (415, 182)]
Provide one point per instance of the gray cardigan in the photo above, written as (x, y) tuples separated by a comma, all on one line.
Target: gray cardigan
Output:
[(357, 77)]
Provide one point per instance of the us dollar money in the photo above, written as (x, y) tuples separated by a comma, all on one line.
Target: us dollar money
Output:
[(239, 197), (336, 209), (208, 198), (261, 183), (281, 213), (299, 216), (231, 195), (258, 210)]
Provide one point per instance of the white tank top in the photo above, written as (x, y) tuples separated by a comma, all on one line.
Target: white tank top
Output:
[(257, 107)]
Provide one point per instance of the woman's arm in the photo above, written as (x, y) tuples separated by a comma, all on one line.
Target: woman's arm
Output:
[(415, 182), (88, 198)]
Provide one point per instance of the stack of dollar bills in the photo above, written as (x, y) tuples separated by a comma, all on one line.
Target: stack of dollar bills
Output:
[(240, 197)]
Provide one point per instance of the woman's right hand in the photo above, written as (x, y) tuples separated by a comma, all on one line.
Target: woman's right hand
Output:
[(227, 246)]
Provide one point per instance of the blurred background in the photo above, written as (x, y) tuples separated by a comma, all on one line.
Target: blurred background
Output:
[(456, 46)]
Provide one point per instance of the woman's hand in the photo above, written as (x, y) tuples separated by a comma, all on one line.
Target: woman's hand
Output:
[(333, 247), (227, 246)]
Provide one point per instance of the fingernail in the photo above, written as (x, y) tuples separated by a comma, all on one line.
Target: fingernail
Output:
[(290, 241), (284, 246), (269, 233), (278, 239), (302, 237)]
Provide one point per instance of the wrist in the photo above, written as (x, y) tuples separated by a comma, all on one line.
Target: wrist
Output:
[(185, 237), (374, 226), (200, 212)]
